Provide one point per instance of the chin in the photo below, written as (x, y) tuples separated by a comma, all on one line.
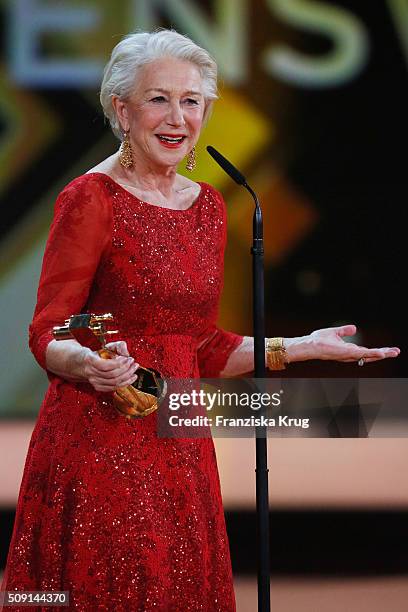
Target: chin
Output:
[(170, 160)]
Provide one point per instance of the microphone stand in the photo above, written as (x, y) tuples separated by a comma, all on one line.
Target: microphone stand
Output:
[(262, 495)]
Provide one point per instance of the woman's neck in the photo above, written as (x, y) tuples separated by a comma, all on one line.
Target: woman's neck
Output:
[(145, 177)]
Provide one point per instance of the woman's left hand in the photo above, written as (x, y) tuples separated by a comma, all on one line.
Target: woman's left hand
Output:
[(329, 344)]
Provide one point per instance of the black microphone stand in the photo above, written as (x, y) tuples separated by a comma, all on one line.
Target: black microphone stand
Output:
[(262, 495)]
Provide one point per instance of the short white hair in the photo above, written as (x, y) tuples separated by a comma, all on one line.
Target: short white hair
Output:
[(138, 49)]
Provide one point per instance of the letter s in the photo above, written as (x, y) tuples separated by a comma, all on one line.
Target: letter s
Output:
[(276, 399), (350, 45)]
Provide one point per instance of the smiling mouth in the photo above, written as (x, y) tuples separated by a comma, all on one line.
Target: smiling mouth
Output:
[(172, 140)]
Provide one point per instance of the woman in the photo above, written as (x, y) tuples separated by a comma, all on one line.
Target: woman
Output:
[(120, 518)]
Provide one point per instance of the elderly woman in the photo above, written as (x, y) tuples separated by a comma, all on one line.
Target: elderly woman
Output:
[(120, 518)]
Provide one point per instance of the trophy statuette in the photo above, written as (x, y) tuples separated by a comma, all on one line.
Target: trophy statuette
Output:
[(136, 400)]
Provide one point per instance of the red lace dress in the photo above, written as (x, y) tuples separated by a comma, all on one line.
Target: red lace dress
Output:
[(107, 510)]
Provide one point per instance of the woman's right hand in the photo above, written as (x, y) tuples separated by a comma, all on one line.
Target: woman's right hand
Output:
[(110, 374)]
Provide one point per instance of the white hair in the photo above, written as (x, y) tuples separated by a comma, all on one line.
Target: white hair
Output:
[(135, 51)]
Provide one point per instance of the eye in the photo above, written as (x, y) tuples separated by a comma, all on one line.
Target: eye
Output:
[(192, 101), (158, 99)]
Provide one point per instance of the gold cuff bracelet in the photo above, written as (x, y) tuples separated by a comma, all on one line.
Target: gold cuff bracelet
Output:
[(276, 355)]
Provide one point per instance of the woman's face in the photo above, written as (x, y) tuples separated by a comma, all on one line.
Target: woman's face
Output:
[(165, 113)]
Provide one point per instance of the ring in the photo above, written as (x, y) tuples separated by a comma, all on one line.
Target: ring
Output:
[(361, 361)]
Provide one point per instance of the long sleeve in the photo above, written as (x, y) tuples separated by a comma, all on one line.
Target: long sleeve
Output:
[(215, 347), (79, 234)]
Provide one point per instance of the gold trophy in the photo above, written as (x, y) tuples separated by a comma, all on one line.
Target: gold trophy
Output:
[(136, 400)]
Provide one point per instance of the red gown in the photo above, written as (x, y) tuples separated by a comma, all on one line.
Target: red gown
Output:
[(107, 510)]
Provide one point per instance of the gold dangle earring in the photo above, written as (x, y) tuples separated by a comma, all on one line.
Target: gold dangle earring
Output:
[(191, 160), (125, 152)]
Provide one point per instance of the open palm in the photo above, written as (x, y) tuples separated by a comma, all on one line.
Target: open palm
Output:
[(329, 343)]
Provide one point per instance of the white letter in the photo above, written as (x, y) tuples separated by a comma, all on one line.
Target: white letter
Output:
[(173, 401), (226, 39), (276, 399), (185, 399), (211, 399), (348, 34), (28, 21)]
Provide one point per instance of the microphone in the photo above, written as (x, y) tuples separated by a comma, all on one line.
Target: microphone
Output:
[(236, 176), (227, 166)]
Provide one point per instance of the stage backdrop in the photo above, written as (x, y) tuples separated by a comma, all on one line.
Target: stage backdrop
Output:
[(312, 109)]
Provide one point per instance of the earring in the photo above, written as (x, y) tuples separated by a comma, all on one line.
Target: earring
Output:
[(191, 160), (125, 152)]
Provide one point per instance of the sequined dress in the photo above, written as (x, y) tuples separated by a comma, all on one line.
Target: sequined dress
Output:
[(121, 518)]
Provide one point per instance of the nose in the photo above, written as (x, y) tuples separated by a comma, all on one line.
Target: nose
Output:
[(175, 116)]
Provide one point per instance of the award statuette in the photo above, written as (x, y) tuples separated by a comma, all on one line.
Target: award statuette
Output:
[(136, 400)]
